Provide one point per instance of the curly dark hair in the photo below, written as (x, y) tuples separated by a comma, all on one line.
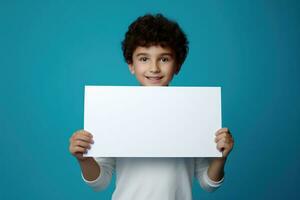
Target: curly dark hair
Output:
[(156, 29)]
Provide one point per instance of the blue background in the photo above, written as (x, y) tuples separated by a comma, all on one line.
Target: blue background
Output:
[(50, 49)]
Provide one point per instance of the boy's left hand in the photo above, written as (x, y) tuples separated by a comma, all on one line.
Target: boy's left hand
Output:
[(224, 141)]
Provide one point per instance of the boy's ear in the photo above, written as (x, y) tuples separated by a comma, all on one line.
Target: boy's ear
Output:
[(131, 68)]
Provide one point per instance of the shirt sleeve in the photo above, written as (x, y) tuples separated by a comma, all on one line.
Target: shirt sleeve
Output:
[(107, 166), (201, 167)]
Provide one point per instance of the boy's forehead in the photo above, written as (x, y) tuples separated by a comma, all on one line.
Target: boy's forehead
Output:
[(153, 50)]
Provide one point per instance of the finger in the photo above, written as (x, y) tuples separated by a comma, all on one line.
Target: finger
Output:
[(82, 144), (225, 143), (221, 130), (220, 136), (227, 150), (223, 135), (227, 140), (83, 138), (86, 133), (82, 132), (78, 149), (225, 153), (221, 146)]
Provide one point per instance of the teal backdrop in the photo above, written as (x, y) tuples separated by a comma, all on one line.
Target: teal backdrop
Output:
[(50, 49)]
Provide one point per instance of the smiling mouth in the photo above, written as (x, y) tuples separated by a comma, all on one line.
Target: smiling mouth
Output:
[(154, 78)]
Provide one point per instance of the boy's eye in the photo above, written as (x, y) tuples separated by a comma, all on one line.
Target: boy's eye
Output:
[(164, 59), (143, 59)]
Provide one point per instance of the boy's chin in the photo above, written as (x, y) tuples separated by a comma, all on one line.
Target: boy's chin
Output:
[(149, 84), (153, 84)]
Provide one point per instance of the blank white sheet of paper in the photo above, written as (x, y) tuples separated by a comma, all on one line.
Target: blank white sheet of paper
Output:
[(152, 121)]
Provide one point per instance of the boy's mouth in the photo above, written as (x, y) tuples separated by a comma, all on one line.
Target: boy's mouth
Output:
[(154, 78)]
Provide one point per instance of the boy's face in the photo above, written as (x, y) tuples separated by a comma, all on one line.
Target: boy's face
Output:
[(153, 66)]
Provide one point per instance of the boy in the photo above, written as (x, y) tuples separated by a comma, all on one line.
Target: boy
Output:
[(154, 49)]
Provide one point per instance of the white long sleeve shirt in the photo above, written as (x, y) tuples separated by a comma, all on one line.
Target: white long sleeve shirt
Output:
[(153, 178)]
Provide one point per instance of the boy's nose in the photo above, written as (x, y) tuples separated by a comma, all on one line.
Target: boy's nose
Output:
[(154, 68)]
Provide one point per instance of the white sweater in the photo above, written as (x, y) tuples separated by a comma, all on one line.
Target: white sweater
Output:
[(153, 178)]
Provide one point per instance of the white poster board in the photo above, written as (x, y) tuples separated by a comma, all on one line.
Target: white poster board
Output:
[(152, 121)]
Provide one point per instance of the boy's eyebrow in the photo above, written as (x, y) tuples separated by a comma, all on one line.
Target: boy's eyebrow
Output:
[(166, 54), (141, 54), (162, 54)]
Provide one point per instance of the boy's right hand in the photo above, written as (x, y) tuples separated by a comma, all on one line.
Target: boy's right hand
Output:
[(80, 142)]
